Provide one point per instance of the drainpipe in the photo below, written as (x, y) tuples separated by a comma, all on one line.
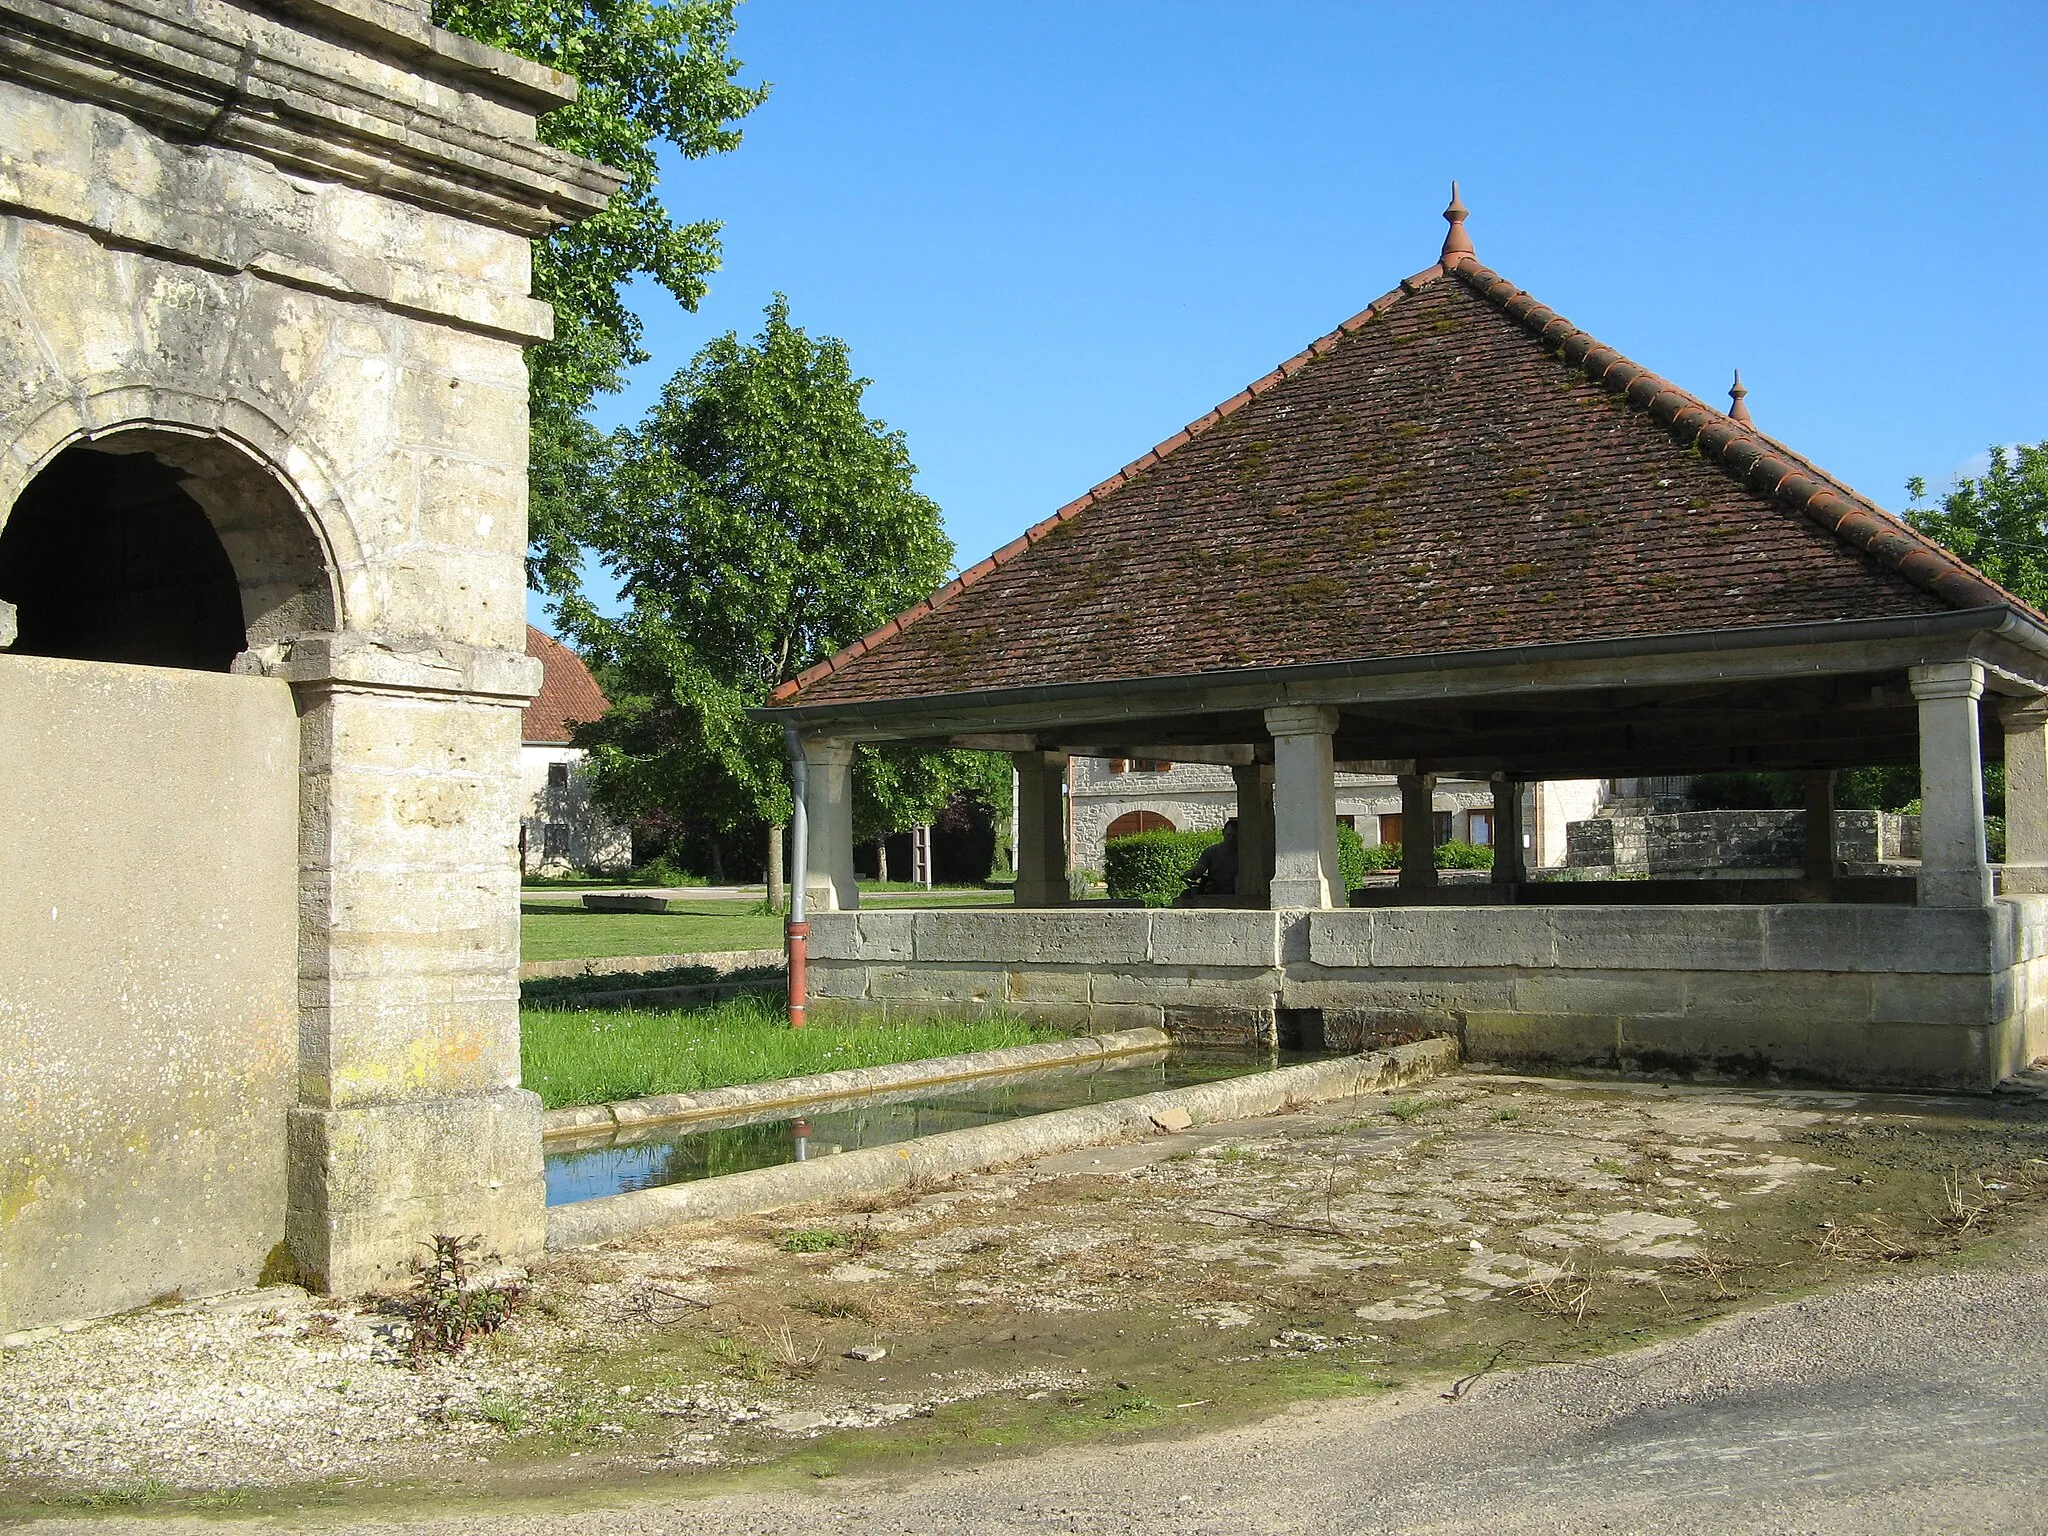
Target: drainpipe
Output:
[(800, 859)]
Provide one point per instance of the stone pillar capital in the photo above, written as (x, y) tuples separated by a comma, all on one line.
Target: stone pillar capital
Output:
[(353, 661), (1947, 680), (828, 751), (1302, 720), (2023, 714)]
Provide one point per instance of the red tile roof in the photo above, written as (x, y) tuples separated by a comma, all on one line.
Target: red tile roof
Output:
[(569, 695), (1457, 467)]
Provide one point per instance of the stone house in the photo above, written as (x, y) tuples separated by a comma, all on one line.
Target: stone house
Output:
[(264, 295), (560, 828), (1112, 797), (1459, 537)]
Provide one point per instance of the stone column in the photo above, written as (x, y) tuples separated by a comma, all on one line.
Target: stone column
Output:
[(829, 885), (1820, 829), (1418, 831), (1304, 807), (409, 1117), (1254, 831), (1509, 866), (2026, 795), (1041, 829), (1953, 870)]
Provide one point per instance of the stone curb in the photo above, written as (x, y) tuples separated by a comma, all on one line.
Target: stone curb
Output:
[(790, 1092), (627, 965), (875, 1170)]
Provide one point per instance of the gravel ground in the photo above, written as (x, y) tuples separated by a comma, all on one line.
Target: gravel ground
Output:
[(1128, 1297)]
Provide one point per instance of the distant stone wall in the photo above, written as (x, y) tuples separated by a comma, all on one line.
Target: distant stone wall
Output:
[(1890, 996), (1692, 841)]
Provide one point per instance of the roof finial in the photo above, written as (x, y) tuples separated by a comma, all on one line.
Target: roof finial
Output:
[(1737, 411), (1457, 244)]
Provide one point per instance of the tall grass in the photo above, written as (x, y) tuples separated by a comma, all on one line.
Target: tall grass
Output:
[(591, 1056)]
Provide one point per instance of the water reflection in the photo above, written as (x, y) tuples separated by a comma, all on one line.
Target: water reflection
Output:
[(585, 1172)]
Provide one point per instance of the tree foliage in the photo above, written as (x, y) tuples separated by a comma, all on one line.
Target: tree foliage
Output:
[(653, 72), (760, 521), (1999, 523)]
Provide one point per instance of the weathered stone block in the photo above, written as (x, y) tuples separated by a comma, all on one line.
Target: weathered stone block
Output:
[(1114, 937), (370, 1184), (1737, 1000), (1169, 986), (1463, 937), (1602, 994), (936, 984), (1660, 938), (1198, 1025), (1215, 937), (1039, 984), (835, 979), (1341, 939), (1937, 999)]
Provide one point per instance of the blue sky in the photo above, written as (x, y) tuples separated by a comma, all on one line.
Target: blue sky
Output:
[(1053, 234)]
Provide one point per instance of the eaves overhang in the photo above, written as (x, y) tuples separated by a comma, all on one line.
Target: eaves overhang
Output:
[(1820, 648)]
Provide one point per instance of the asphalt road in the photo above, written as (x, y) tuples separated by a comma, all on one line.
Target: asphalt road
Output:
[(1906, 1405)]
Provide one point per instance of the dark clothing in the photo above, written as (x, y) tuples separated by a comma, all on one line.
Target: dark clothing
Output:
[(1215, 872)]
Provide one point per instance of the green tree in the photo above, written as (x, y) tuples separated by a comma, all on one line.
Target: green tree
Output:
[(760, 520), (653, 72), (1999, 523)]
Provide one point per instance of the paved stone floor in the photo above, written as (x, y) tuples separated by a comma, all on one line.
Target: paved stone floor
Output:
[(1507, 1303)]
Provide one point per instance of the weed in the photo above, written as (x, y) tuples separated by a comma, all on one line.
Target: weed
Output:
[(149, 1491), (849, 1307), (1963, 1212), (741, 1360), (496, 1408), (813, 1240), (1506, 1116), (1128, 1406), (447, 1306), (1867, 1244), (1409, 1108), (794, 1360), (1563, 1295), (1239, 1154)]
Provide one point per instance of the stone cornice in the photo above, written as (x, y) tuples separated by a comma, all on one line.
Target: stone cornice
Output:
[(318, 99)]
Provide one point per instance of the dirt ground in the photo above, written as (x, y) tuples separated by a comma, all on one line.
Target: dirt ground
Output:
[(1437, 1236)]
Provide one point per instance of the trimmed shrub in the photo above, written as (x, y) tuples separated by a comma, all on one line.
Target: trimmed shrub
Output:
[(1149, 865), (1381, 857), (1352, 862), (1456, 855)]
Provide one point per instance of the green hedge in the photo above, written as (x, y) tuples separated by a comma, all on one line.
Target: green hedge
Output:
[(1153, 866), (1387, 856), (1353, 858)]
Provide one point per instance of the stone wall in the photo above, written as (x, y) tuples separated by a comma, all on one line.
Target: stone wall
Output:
[(1702, 841), (148, 998), (1877, 995)]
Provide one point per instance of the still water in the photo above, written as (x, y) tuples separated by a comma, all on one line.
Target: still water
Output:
[(586, 1172)]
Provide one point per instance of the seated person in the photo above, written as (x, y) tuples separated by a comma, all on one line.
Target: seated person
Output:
[(1215, 872)]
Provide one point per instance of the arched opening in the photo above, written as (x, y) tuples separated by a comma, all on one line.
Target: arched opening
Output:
[(159, 549), (1133, 822)]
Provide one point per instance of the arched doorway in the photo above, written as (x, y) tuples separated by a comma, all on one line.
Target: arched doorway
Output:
[(149, 870), (158, 548), (1133, 822)]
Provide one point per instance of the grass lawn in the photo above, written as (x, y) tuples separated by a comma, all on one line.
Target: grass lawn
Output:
[(593, 1056), (563, 930)]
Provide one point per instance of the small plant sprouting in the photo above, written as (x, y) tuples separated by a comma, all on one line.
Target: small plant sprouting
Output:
[(447, 1306), (498, 1409), (1409, 1108), (813, 1240)]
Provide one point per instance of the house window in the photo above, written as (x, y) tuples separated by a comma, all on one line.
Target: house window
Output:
[(554, 842), (1150, 765), (1482, 828), (1118, 765), (558, 775), (1445, 822), (1390, 829)]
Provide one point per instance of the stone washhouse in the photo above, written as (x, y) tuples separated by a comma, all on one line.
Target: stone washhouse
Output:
[(264, 295), (1459, 536)]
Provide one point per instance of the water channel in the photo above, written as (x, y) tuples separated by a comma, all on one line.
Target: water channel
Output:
[(586, 1169)]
